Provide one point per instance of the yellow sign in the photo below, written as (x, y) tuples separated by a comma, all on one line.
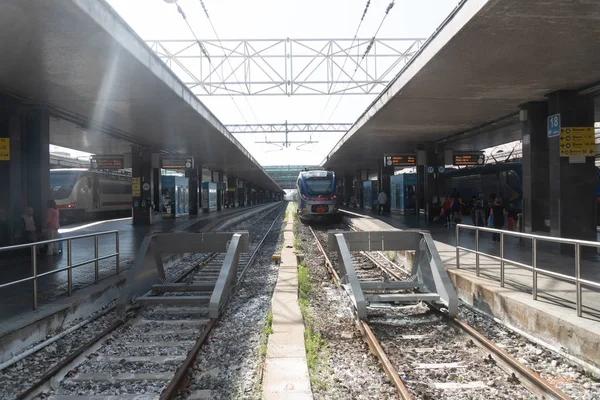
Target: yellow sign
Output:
[(4, 149), (136, 188), (577, 141)]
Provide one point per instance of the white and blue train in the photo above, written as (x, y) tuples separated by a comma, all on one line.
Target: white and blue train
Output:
[(317, 198)]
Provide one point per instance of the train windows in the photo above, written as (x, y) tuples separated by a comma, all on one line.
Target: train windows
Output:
[(319, 186), (62, 179)]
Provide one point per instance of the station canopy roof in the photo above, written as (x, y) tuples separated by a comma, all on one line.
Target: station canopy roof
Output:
[(79, 58)]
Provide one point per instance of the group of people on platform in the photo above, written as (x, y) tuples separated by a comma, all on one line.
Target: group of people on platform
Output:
[(493, 214), (29, 230)]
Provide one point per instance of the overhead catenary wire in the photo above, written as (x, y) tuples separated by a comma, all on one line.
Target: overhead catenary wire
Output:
[(227, 58), (362, 18), (207, 55), (387, 11)]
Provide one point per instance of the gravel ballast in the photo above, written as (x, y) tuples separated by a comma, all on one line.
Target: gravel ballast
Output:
[(352, 373)]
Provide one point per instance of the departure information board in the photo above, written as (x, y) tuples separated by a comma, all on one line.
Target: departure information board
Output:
[(577, 141), (4, 149), (176, 162), (469, 159), (107, 162), (400, 160)]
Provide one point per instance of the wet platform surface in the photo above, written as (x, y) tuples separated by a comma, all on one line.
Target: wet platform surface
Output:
[(15, 265), (549, 257)]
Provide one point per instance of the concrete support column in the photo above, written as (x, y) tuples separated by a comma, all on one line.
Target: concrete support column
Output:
[(26, 172), (156, 187), (433, 185), (572, 180), (195, 189), (536, 178), (149, 186), (241, 192), (12, 202), (220, 192), (231, 191), (348, 188), (383, 182)]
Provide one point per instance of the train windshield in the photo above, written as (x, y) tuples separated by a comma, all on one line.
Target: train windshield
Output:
[(319, 185), (318, 182), (61, 183)]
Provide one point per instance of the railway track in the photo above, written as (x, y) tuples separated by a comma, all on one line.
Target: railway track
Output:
[(427, 354), (148, 355)]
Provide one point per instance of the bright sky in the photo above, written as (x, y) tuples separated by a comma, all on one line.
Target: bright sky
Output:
[(276, 19)]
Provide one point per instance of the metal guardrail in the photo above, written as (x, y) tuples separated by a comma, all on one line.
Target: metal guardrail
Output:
[(577, 280), (69, 268)]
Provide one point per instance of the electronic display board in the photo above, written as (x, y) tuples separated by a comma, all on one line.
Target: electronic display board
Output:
[(469, 159), (107, 162), (400, 160)]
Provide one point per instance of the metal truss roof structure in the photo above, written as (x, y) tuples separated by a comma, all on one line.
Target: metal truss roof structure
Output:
[(240, 67), (286, 175), (288, 127)]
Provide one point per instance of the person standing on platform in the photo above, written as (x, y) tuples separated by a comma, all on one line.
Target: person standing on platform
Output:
[(497, 213), (29, 230), (447, 210), (51, 225), (381, 201), (479, 212)]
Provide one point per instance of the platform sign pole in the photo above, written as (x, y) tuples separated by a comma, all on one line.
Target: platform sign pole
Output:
[(502, 259), (477, 252), (69, 270), (117, 252), (578, 278), (534, 266), (34, 271), (96, 272), (457, 250)]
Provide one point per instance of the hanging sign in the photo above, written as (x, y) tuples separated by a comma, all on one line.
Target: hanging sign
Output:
[(400, 160), (136, 189), (577, 142), (469, 159), (107, 162), (4, 149)]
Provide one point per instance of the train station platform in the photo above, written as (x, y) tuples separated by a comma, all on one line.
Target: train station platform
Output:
[(17, 300), (551, 318)]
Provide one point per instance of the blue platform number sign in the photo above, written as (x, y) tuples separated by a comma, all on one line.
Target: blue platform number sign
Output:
[(554, 125)]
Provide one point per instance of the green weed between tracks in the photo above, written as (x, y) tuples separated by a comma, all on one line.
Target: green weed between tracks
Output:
[(317, 354)]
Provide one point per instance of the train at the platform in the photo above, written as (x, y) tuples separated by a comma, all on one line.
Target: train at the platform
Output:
[(501, 179), (82, 195), (317, 197)]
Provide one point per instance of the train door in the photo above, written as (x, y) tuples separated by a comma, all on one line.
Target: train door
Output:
[(95, 192), (86, 191)]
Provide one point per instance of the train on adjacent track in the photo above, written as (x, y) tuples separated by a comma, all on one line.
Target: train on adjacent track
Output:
[(82, 195), (503, 179), (317, 197)]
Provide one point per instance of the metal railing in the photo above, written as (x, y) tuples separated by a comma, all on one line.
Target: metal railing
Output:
[(69, 268), (577, 280)]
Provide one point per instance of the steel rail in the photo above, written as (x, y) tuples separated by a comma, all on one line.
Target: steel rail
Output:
[(72, 357), (82, 349), (531, 380), (174, 385), (367, 333)]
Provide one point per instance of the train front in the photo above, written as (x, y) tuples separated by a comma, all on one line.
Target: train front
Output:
[(318, 199)]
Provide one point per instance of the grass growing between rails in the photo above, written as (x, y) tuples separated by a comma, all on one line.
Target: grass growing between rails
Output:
[(266, 331), (317, 355)]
